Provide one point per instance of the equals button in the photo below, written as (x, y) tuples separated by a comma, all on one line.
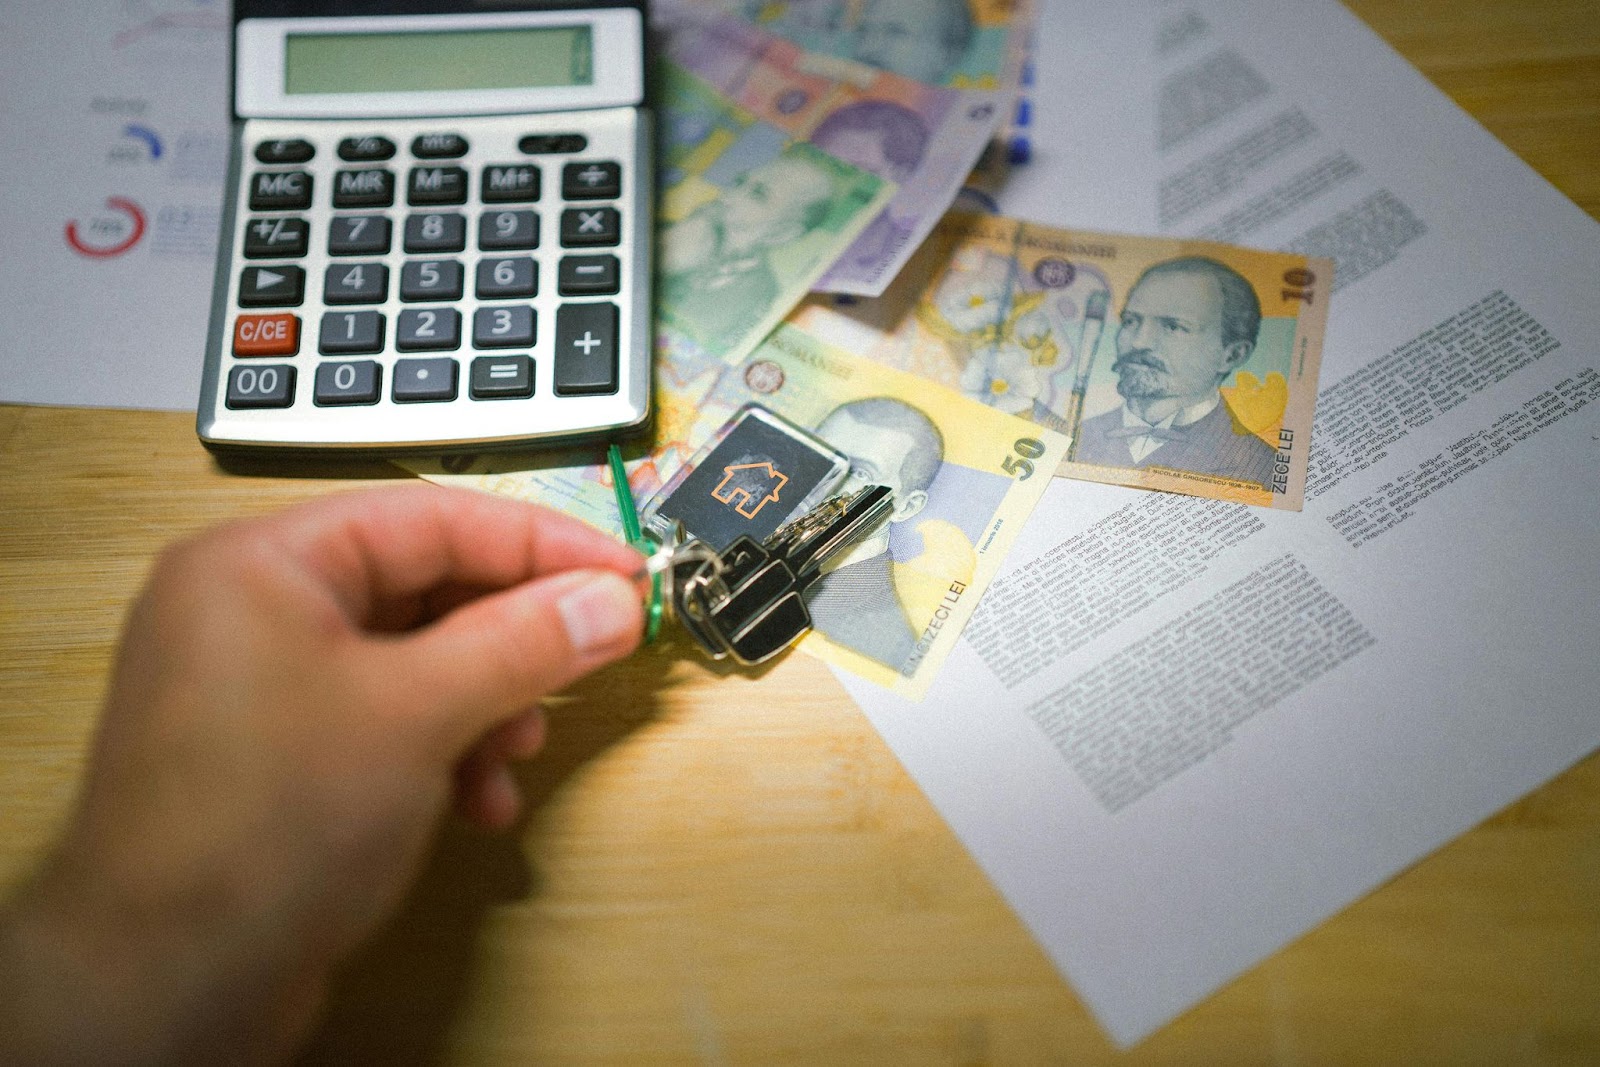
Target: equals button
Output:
[(501, 377)]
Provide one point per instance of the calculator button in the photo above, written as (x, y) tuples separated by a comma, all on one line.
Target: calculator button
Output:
[(266, 335), (586, 349), (347, 382), (363, 188), (588, 276), (423, 328), (431, 279), (503, 327), (436, 233), (351, 331), (358, 235), (439, 146), (514, 183), (279, 238), (252, 386), (590, 226), (437, 185), (276, 286), (498, 377), (355, 283), (539, 144), (424, 379), (365, 149), (591, 181), (280, 190), (501, 278), (289, 150), (501, 230)]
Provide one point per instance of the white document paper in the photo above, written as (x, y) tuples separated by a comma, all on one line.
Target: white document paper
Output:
[(113, 146), (1178, 734)]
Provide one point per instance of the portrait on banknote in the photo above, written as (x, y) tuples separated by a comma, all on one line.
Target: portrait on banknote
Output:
[(1186, 366)]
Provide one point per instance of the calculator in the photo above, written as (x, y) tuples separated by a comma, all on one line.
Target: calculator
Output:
[(438, 227)]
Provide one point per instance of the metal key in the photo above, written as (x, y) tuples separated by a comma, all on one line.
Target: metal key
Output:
[(749, 604)]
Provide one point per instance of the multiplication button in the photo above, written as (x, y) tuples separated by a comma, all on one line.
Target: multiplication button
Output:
[(501, 377), (590, 227)]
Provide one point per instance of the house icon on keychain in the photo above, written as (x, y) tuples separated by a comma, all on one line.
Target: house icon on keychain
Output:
[(749, 487)]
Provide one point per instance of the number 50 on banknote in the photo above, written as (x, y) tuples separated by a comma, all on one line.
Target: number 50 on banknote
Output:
[(1186, 366)]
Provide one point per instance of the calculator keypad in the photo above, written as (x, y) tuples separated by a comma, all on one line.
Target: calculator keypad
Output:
[(414, 253)]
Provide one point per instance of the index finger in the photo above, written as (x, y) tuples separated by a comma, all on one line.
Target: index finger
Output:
[(378, 545)]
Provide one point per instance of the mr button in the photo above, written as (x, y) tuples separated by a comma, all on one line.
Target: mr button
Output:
[(266, 335)]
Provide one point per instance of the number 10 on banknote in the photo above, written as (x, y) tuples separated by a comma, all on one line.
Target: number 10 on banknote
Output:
[(1185, 366)]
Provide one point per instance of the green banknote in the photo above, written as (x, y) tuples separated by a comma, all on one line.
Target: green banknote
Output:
[(1185, 366), (748, 218), (964, 476)]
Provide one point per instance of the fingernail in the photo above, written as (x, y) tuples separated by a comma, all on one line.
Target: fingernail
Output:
[(601, 611)]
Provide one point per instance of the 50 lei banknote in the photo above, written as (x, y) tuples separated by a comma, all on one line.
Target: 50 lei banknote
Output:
[(1185, 366), (964, 478)]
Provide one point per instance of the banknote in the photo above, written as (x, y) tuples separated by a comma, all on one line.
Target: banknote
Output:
[(748, 217), (921, 137), (977, 44), (1185, 366), (964, 478)]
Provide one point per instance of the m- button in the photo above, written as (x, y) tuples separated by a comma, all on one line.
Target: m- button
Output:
[(266, 335)]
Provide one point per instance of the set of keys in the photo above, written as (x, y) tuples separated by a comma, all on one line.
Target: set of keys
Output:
[(747, 601)]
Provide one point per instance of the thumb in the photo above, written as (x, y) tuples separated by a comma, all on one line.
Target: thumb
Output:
[(496, 656)]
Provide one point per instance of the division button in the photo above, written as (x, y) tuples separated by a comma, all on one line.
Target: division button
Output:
[(255, 386), (437, 185), (285, 237), (439, 146), (266, 335), (586, 349), (591, 181), (513, 183), (280, 190), (590, 226), (424, 379), (363, 188), (588, 275), (351, 331), (288, 150), (278, 286), (347, 382), (499, 377)]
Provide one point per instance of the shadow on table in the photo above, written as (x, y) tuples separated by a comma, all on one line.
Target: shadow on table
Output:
[(396, 1001)]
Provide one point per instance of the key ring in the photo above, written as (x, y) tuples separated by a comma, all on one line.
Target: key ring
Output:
[(636, 539)]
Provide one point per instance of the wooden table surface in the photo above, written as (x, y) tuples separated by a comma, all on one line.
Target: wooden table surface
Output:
[(736, 869)]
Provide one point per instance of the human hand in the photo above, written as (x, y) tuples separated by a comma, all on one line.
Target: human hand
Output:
[(295, 702)]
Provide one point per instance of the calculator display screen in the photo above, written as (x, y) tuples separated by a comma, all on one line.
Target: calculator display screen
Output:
[(512, 58)]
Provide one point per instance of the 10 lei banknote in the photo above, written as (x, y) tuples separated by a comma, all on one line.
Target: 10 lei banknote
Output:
[(964, 479), (1185, 366), (921, 137)]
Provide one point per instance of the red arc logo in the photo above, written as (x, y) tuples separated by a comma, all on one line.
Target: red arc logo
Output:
[(115, 203)]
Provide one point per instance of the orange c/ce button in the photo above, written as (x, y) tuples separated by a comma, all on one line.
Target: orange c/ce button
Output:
[(266, 335)]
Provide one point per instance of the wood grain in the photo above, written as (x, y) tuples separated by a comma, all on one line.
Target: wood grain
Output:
[(725, 867)]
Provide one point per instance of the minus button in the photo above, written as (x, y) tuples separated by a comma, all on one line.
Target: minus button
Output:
[(588, 275)]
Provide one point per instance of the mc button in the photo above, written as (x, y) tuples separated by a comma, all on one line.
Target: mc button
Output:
[(266, 335)]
